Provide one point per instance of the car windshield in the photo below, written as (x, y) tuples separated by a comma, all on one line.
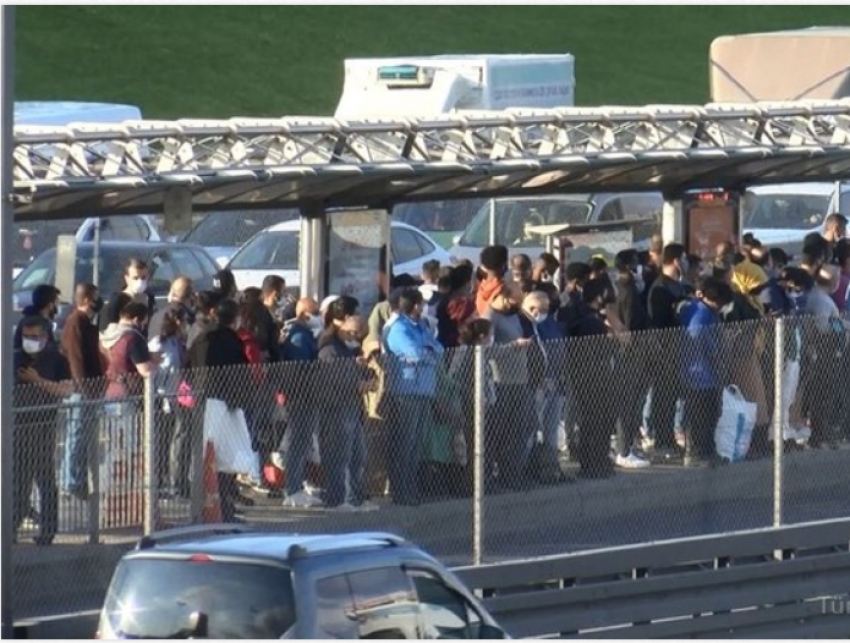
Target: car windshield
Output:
[(268, 251), (34, 237), (232, 229), (784, 211), (155, 598), (43, 269), (515, 220)]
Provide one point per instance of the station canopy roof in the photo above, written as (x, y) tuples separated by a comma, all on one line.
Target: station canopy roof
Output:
[(91, 169)]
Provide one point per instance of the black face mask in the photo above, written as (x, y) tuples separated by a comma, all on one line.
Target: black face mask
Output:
[(512, 310), (97, 306)]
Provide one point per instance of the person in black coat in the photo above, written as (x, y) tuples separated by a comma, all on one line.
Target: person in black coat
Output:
[(220, 346)]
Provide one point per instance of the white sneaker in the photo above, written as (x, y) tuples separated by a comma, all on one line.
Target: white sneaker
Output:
[(631, 461), (311, 490), (647, 443), (301, 500), (344, 508), (367, 506)]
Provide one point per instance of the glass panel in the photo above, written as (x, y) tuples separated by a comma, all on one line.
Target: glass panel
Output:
[(385, 603), (269, 251), (335, 609)]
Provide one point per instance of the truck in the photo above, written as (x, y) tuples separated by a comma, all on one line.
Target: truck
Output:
[(431, 85)]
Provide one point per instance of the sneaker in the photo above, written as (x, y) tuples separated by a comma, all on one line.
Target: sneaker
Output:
[(344, 508), (301, 500), (366, 505), (647, 443), (277, 460), (311, 490), (631, 461)]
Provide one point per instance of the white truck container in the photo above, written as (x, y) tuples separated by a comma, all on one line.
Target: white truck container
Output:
[(66, 112), (429, 85)]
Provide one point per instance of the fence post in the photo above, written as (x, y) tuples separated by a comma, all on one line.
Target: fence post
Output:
[(778, 418), (151, 496), (478, 457)]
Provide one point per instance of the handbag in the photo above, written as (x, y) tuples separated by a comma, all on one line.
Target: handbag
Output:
[(734, 431)]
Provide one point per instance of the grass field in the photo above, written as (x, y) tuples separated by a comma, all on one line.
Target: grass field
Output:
[(274, 61)]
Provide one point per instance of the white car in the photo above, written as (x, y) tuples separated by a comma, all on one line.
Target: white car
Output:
[(780, 216), (274, 251)]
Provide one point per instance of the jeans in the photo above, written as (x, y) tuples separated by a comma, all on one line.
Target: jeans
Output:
[(630, 381), (342, 445), (34, 461), (303, 421), (551, 406), (80, 440), (409, 416), (514, 424)]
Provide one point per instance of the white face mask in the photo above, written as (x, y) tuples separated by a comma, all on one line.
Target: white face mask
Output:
[(32, 346), (490, 341), (726, 309), (352, 344), (539, 318), (138, 286)]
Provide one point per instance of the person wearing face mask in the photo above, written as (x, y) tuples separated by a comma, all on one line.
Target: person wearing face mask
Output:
[(546, 363), (42, 379), (702, 369), (180, 297), (45, 303), (81, 346), (411, 353), (515, 421), (136, 274), (341, 439), (666, 296)]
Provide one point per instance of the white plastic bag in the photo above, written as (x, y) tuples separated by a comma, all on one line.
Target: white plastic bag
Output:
[(734, 431), (228, 432)]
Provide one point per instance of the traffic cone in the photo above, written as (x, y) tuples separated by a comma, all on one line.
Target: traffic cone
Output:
[(211, 512)]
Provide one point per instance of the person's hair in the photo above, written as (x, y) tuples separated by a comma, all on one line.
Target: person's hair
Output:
[(44, 295), (521, 260), (408, 299), (594, 289), (224, 282), (171, 321), (494, 258), (778, 256), (251, 313), (273, 284), (461, 275), (431, 269), (207, 300), (578, 271), (835, 219), (134, 263), (445, 284), (122, 301), (227, 311), (134, 310), (252, 294), (721, 268), (526, 286), (716, 290), (480, 273), (842, 251), (796, 276), (445, 271), (85, 291), (694, 261), (404, 281), (625, 259), (672, 252), (341, 309), (598, 264), (35, 321), (473, 331), (814, 251), (551, 261)]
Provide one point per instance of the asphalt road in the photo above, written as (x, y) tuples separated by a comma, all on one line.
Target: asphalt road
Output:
[(652, 504)]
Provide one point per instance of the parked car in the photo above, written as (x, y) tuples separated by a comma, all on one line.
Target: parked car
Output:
[(275, 251), (780, 216), (516, 217), (229, 582), (222, 233), (34, 237), (166, 261), (441, 220)]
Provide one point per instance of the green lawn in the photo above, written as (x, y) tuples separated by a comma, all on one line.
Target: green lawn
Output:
[(275, 61)]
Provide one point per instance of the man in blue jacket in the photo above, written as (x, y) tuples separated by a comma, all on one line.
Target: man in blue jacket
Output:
[(411, 353), (701, 364)]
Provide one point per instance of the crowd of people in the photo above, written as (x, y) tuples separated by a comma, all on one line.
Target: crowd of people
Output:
[(613, 366)]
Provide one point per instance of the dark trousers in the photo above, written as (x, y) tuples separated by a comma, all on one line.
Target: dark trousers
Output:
[(166, 424), (703, 408), (228, 492), (342, 447), (633, 386), (514, 421), (823, 398), (665, 393), (187, 449), (34, 460), (595, 423), (409, 415)]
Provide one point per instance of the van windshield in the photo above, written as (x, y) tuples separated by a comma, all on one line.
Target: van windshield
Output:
[(155, 598), (515, 220), (784, 211)]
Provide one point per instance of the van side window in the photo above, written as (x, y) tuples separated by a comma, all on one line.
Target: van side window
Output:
[(385, 603), (613, 211), (335, 613), (445, 614)]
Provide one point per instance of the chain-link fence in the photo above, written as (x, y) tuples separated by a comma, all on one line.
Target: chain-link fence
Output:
[(477, 454)]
